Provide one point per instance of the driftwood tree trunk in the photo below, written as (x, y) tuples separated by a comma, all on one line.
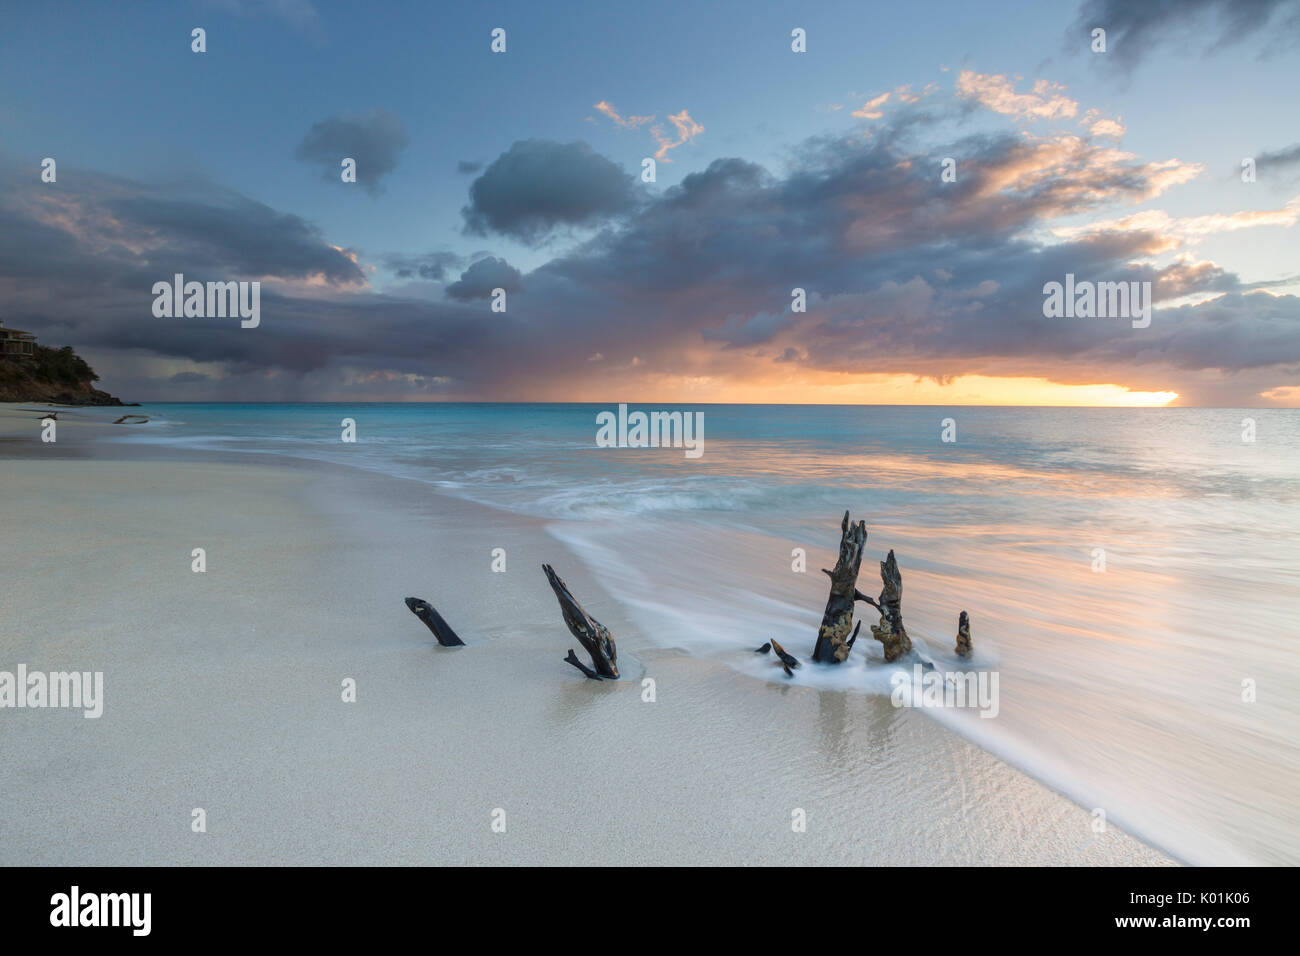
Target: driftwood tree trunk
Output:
[(963, 647), (591, 634), (836, 635), (890, 631)]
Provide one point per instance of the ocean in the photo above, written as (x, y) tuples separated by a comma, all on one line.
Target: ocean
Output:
[(1131, 575)]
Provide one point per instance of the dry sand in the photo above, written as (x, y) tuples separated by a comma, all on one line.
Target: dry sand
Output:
[(223, 691)]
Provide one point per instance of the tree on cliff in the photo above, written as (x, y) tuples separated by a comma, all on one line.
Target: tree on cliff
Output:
[(63, 366), (53, 375)]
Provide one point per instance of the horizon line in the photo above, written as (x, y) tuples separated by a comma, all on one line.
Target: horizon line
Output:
[(715, 404)]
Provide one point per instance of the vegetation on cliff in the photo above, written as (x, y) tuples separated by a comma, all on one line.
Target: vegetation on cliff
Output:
[(51, 375)]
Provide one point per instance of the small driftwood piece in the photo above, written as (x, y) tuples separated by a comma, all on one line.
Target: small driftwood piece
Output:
[(434, 622), (890, 631), (787, 660), (963, 647), (591, 634), (836, 635)]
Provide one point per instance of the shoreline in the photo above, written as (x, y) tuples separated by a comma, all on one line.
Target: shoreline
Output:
[(303, 590)]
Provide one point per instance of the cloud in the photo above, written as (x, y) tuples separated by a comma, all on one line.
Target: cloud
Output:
[(373, 139), (1278, 160), (1045, 100), (687, 129), (1134, 29), (117, 231), (874, 108), (434, 266), (1187, 229), (904, 274), (627, 122), (483, 277), (538, 185), (1099, 125)]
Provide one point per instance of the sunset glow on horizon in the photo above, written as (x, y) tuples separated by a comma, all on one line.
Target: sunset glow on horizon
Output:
[(882, 389)]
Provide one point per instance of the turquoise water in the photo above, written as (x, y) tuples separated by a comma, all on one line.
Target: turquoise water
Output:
[(1121, 687)]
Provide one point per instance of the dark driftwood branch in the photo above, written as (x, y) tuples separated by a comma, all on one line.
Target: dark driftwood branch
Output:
[(572, 658), (890, 631), (859, 596), (833, 637), (591, 634), (963, 647), (433, 620), (787, 660), (856, 627)]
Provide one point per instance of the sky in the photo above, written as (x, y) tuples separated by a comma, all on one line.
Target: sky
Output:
[(774, 171)]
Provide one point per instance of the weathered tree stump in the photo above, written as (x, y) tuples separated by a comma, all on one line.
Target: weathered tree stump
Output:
[(591, 634), (890, 631), (836, 635), (963, 647), (434, 622)]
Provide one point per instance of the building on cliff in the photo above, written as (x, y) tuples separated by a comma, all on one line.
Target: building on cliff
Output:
[(15, 343)]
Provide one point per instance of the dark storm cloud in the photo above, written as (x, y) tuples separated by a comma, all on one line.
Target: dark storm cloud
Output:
[(899, 271), (1242, 332), (106, 229), (537, 185), (79, 263), (231, 234), (373, 139), (1135, 27), (851, 216), (478, 281), (902, 273)]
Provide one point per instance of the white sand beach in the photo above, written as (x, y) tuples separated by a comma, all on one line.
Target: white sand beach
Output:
[(223, 691)]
